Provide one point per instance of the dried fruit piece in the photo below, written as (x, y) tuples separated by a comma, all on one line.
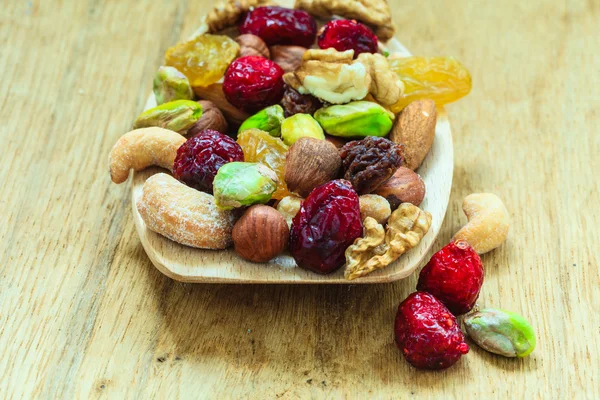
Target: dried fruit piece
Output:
[(278, 25), (405, 186), (427, 334), (259, 146), (203, 59), (169, 84), (201, 156), (296, 103), (375, 207), (501, 332), (299, 126), (346, 34), (261, 234), (454, 275), (370, 162), (239, 184), (441, 79), (327, 223), (268, 120), (178, 116), (289, 207), (355, 120), (252, 83)]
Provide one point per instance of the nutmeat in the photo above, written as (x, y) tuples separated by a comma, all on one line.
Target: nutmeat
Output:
[(252, 45), (239, 184), (374, 206), (405, 186), (268, 120), (288, 58), (260, 234), (355, 120), (212, 118), (178, 116), (298, 126), (169, 84)]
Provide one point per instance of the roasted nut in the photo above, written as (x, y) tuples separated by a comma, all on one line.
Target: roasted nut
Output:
[(375, 207), (488, 222), (268, 120), (298, 126), (143, 148), (336, 141), (214, 93), (310, 163), (288, 58), (386, 87), (295, 103), (239, 184), (289, 207), (183, 214), (227, 13), (261, 234), (169, 84), (178, 116), (252, 45), (212, 118), (355, 120), (405, 186), (415, 128)]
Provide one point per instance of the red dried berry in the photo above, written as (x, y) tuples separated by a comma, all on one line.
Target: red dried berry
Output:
[(201, 156), (278, 25), (252, 83), (427, 333), (454, 275), (327, 223), (346, 34)]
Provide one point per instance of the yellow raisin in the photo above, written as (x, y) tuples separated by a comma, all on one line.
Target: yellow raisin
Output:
[(259, 146), (442, 79), (204, 59)]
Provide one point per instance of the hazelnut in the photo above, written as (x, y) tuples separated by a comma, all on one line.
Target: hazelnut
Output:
[(252, 45), (260, 234), (289, 58), (212, 118), (405, 186), (374, 206), (310, 163), (336, 141)]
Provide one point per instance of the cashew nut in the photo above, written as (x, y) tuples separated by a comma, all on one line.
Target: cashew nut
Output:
[(142, 148), (488, 222)]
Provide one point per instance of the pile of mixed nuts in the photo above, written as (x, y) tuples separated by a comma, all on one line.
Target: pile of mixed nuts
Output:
[(314, 151)]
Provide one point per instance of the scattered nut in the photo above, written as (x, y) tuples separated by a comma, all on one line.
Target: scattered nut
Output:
[(289, 207), (488, 222), (310, 163), (405, 186), (212, 118), (143, 148), (288, 58), (169, 84), (268, 120), (178, 116), (374, 206), (252, 45), (415, 128), (386, 87), (183, 214), (260, 234)]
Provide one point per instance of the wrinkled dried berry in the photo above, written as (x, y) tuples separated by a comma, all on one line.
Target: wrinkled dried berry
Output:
[(201, 156), (370, 162), (278, 25), (454, 275), (295, 103), (427, 333), (327, 223), (252, 83), (346, 34)]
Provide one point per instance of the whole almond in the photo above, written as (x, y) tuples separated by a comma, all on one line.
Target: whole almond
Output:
[(415, 128), (405, 186)]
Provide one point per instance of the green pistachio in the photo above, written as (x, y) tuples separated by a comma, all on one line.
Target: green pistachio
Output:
[(178, 116), (239, 184), (355, 120), (169, 84), (300, 125), (501, 332), (268, 120)]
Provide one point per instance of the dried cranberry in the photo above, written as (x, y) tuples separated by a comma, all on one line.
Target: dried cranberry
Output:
[(201, 156), (252, 83), (427, 333), (327, 223), (454, 275), (346, 34), (278, 25)]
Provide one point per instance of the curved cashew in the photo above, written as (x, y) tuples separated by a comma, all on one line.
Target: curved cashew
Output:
[(488, 222), (142, 148)]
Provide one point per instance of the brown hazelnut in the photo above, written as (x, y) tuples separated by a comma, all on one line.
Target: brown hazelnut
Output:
[(212, 118), (336, 141), (252, 45), (260, 234), (405, 186), (310, 163), (288, 58)]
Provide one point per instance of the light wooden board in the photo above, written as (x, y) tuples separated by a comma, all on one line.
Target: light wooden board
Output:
[(84, 313)]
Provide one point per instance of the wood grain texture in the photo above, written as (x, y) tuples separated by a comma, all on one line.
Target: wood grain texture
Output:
[(83, 313)]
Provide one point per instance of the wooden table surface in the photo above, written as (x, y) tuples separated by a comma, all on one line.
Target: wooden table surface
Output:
[(83, 313)]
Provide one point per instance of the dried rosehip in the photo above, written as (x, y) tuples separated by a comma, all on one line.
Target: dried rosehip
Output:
[(427, 333), (327, 223), (295, 103), (201, 156), (278, 25), (347, 34), (454, 275), (252, 83), (370, 162)]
